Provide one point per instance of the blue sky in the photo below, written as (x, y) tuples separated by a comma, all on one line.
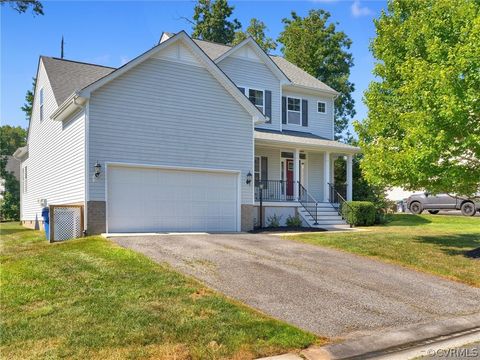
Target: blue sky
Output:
[(114, 32)]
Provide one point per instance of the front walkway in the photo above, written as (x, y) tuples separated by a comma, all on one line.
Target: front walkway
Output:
[(328, 292)]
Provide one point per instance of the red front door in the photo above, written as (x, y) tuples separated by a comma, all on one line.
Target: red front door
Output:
[(289, 163)]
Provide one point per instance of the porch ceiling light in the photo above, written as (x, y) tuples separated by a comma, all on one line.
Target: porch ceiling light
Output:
[(98, 169), (249, 178)]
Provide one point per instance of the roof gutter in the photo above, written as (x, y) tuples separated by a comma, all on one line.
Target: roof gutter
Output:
[(71, 105), (332, 92)]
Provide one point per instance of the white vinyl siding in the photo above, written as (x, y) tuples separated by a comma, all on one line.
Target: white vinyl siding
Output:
[(320, 124), (168, 113), (256, 75), (56, 159)]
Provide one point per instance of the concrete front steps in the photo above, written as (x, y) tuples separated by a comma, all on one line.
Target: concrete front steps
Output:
[(327, 216)]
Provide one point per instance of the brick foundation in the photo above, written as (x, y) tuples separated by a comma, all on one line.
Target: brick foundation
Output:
[(96, 217), (247, 217)]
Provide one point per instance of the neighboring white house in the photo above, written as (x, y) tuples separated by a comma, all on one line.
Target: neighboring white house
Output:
[(181, 138), (12, 166)]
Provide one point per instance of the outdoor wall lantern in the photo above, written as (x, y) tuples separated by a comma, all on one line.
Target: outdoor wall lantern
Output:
[(249, 177), (98, 169)]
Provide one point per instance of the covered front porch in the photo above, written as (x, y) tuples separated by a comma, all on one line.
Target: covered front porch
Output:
[(295, 169)]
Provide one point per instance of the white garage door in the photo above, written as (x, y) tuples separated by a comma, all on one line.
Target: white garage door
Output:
[(152, 200)]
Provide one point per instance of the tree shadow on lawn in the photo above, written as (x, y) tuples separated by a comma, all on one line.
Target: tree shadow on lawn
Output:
[(7, 231), (407, 220), (460, 244)]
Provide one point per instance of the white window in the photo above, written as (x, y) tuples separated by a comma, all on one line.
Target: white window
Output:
[(257, 97), (41, 104), (25, 180), (261, 169), (321, 107), (294, 110)]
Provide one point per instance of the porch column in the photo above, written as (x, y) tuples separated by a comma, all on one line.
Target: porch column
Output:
[(349, 178), (296, 173), (326, 176)]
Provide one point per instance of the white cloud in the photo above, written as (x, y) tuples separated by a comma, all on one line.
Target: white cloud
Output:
[(358, 10), (123, 60)]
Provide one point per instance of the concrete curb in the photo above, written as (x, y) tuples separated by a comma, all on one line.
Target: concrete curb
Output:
[(401, 343)]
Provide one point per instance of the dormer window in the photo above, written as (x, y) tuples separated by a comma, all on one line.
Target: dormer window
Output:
[(294, 110), (41, 104), (257, 98)]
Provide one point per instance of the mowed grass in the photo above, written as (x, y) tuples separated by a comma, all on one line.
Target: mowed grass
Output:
[(88, 298), (431, 243)]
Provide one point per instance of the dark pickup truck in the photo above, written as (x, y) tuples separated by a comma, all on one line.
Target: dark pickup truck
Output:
[(434, 203)]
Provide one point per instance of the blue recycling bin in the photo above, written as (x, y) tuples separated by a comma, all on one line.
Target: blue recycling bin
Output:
[(46, 221)]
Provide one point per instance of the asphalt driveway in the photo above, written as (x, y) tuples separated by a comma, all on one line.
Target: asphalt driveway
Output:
[(328, 292)]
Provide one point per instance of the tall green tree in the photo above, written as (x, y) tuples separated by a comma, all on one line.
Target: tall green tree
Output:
[(28, 105), (423, 125), (11, 138), (211, 21), (21, 6), (256, 29), (314, 44)]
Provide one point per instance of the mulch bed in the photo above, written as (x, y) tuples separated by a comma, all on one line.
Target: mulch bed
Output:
[(474, 254), (286, 229)]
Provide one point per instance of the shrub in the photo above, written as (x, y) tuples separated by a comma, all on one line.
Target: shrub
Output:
[(359, 213), (274, 221), (294, 221)]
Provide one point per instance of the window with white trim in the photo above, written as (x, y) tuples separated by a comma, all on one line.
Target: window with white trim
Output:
[(24, 179), (257, 97), (294, 110), (321, 107), (41, 104), (260, 169)]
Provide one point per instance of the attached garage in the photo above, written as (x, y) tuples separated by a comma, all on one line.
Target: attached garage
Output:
[(154, 199)]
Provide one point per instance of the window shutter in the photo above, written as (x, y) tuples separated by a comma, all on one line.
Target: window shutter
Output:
[(242, 90), (264, 175), (304, 112), (268, 105), (284, 110)]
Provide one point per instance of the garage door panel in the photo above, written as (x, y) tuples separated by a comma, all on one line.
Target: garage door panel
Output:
[(144, 199)]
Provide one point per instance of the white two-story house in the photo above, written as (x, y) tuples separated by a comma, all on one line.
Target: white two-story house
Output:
[(186, 137)]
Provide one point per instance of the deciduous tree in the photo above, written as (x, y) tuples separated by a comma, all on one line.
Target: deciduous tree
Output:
[(22, 6), (211, 21), (423, 125), (256, 29)]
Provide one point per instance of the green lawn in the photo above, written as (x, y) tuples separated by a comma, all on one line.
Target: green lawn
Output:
[(430, 243), (89, 298)]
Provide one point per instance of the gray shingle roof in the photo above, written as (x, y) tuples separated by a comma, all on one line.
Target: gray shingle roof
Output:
[(213, 50), (296, 75), (67, 76)]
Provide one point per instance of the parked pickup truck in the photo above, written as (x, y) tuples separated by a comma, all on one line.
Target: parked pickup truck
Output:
[(416, 203)]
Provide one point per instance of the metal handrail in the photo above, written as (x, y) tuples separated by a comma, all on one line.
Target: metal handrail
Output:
[(305, 198), (341, 202), (274, 190)]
